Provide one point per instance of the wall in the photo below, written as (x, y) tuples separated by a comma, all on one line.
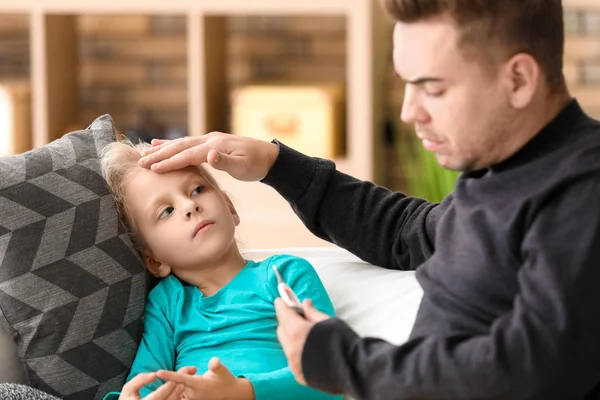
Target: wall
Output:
[(134, 67)]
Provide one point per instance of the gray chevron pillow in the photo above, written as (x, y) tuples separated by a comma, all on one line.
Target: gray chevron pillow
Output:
[(72, 288)]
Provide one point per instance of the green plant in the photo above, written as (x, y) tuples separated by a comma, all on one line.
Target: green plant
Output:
[(424, 176)]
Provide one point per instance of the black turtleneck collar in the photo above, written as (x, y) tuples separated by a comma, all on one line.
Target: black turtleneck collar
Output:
[(551, 137)]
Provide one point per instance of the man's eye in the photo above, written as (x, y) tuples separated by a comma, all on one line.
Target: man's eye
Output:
[(198, 190), (434, 93), (167, 211)]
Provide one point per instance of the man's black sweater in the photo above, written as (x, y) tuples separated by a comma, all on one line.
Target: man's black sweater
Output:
[(509, 265)]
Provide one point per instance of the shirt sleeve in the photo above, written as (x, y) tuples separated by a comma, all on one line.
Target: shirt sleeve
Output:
[(304, 281), (384, 228), (546, 347), (157, 349)]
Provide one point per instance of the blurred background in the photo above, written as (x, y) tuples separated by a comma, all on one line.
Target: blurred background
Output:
[(317, 75)]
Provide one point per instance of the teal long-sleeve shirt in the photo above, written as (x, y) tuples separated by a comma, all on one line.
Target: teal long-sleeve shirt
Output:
[(238, 324)]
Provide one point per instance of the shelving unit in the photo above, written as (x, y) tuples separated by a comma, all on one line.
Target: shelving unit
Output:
[(54, 66)]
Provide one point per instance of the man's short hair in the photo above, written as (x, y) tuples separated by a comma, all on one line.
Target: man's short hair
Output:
[(498, 29)]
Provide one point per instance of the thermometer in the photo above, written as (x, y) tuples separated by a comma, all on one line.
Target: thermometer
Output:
[(287, 294)]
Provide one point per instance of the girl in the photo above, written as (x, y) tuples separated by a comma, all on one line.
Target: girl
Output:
[(211, 314)]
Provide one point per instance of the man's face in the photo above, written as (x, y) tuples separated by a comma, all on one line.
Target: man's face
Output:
[(184, 221), (459, 107)]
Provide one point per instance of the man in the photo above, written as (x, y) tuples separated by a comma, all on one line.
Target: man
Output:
[(509, 264)]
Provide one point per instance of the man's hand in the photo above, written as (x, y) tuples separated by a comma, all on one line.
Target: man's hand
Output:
[(244, 158), (293, 331), (218, 383), (168, 391)]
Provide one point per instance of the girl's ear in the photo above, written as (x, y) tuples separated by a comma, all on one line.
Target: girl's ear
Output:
[(156, 268), (232, 210)]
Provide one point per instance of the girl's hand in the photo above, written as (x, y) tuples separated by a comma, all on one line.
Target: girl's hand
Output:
[(218, 383), (168, 391)]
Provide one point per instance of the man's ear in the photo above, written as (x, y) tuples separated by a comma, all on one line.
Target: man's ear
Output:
[(156, 268), (232, 210), (523, 76)]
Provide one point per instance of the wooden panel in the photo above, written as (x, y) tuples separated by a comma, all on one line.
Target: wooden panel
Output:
[(578, 47), (592, 4), (14, 47), (572, 72), (215, 73), (112, 73), (254, 7), (166, 48), (168, 72), (313, 46), (588, 96), (114, 25), (240, 44), (267, 220), (156, 96), (61, 74), (13, 23), (591, 72)]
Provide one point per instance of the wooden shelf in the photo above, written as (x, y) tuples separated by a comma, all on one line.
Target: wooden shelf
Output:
[(54, 64), (230, 7)]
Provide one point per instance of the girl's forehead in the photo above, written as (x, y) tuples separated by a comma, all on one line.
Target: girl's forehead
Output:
[(195, 171)]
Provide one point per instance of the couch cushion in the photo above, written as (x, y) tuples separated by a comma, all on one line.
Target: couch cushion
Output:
[(11, 367), (72, 287)]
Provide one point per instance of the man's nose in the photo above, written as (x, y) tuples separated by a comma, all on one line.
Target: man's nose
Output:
[(412, 111)]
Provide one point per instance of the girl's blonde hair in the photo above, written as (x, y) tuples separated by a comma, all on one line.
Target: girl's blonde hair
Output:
[(119, 161)]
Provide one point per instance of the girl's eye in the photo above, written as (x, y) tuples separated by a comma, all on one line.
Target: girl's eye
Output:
[(198, 190), (167, 211)]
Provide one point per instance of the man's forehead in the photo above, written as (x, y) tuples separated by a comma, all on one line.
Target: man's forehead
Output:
[(425, 48)]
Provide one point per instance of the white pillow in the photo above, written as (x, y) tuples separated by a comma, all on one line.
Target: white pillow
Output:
[(374, 301)]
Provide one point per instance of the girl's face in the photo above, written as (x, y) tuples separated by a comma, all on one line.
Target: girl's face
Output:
[(185, 221)]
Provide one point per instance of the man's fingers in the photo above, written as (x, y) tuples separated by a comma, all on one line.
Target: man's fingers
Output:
[(311, 313), (177, 160), (133, 387), (285, 314), (157, 142), (169, 149), (282, 337)]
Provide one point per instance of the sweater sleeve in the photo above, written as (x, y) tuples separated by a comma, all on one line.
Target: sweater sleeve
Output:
[(304, 281), (388, 229), (546, 347)]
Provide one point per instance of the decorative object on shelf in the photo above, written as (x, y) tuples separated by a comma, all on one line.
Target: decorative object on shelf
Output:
[(309, 117)]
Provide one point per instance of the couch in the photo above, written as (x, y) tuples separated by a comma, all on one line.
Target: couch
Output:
[(72, 288)]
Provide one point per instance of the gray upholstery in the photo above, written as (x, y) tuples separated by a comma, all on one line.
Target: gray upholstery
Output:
[(11, 367), (72, 288), (11, 391)]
